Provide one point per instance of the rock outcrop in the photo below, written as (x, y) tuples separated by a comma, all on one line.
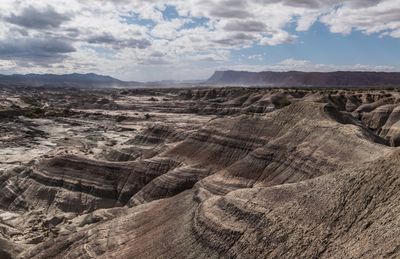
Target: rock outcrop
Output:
[(210, 173)]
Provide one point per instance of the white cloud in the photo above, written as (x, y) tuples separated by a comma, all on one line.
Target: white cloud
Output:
[(382, 17), (132, 39), (277, 38), (168, 29), (258, 57)]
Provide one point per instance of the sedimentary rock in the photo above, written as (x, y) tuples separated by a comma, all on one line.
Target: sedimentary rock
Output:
[(209, 173)]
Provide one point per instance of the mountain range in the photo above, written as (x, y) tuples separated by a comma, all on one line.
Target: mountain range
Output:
[(90, 80), (219, 78), (306, 79)]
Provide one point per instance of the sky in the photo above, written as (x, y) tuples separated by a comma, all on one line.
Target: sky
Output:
[(151, 40)]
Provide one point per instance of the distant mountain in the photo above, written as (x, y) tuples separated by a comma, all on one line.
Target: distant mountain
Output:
[(68, 80), (305, 79), (173, 83)]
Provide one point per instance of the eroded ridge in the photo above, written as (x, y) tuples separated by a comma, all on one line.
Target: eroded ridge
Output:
[(199, 173)]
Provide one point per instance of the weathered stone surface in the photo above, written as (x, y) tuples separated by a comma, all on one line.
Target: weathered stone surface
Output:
[(208, 173)]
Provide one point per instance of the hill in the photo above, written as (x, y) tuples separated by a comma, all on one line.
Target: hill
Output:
[(90, 80)]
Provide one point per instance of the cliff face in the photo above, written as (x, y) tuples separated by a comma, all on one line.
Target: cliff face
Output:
[(306, 79), (210, 173)]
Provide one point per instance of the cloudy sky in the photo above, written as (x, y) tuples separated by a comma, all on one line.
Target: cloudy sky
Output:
[(188, 39)]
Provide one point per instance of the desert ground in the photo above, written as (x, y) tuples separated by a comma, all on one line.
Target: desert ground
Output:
[(199, 173)]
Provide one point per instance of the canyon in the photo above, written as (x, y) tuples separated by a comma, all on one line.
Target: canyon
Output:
[(199, 173)]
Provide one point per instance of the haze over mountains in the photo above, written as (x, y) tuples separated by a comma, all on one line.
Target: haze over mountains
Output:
[(219, 78), (90, 80), (313, 79)]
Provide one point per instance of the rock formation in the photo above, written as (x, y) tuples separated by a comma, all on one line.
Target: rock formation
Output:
[(208, 173), (306, 79)]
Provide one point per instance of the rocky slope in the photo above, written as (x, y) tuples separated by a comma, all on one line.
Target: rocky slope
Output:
[(202, 173)]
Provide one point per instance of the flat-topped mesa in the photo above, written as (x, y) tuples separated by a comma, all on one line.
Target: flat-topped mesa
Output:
[(306, 79)]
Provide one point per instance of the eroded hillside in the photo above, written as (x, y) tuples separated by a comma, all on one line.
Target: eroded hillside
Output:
[(199, 173)]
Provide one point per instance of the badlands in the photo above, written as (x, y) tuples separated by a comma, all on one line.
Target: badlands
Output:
[(199, 173)]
